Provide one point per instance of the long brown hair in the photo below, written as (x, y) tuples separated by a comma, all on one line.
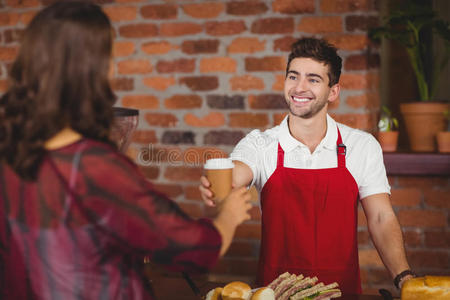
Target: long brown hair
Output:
[(58, 80)]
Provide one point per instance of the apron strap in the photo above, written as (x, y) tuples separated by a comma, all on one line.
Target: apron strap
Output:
[(280, 156), (341, 150)]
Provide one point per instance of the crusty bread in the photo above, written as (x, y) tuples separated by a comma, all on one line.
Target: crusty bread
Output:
[(236, 290), (215, 294), (428, 287), (263, 293)]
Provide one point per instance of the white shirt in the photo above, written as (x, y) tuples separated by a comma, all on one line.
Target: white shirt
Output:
[(364, 158)]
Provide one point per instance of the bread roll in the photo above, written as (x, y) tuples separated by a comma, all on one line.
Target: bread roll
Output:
[(236, 290), (214, 294), (263, 293), (428, 287)]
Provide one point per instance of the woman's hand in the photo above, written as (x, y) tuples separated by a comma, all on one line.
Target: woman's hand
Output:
[(206, 192)]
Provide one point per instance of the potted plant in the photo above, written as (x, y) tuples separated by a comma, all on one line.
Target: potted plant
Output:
[(408, 25), (443, 137), (387, 130)]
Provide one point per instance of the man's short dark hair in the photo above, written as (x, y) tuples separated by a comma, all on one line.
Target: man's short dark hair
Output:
[(319, 50)]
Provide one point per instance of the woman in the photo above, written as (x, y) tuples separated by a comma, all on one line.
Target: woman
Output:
[(76, 216)]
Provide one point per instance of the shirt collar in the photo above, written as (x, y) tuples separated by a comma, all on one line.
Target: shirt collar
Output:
[(288, 142)]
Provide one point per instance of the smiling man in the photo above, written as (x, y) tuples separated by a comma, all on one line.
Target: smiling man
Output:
[(311, 172)]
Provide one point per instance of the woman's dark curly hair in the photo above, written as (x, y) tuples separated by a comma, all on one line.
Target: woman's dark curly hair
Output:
[(58, 80), (319, 50)]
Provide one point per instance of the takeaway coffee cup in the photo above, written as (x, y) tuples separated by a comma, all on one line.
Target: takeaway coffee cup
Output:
[(219, 173)]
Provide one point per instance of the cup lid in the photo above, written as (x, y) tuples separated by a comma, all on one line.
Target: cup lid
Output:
[(219, 163)]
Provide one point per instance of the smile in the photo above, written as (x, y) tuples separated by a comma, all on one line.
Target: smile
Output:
[(300, 99)]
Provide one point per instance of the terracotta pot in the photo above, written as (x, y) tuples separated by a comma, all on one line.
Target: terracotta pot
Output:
[(388, 140), (423, 121), (443, 141)]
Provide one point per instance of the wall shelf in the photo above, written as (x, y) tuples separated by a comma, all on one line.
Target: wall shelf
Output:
[(426, 164)]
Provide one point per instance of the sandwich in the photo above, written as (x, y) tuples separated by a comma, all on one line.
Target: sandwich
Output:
[(428, 287), (319, 292)]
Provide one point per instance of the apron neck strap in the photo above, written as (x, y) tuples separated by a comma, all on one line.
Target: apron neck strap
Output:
[(341, 150), (280, 156)]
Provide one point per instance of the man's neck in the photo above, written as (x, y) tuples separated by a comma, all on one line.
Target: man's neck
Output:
[(308, 131)]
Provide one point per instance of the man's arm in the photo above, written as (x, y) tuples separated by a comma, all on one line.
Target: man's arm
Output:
[(385, 232)]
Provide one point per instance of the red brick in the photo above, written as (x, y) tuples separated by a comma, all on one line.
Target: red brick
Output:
[(120, 13), (361, 62), (340, 6), (184, 174), (360, 121), (246, 82), (13, 35), (3, 85), (192, 192), (239, 8), (273, 26), (412, 238), (178, 29), (278, 85), (26, 17), (437, 239), (200, 46), (248, 120), (213, 119), (144, 137), (9, 18), (348, 42), (22, 3), (123, 48), (122, 84), (438, 198), (8, 53), (225, 28), (179, 65), (222, 137), (161, 47), (150, 172), (218, 64), (200, 83), (293, 6), (241, 248), (277, 118), (159, 83), (206, 10), (183, 102), (138, 30), (225, 102), (320, 24), (369, 257), (267, 101), (427, 258), (363, 237), (422, 218), (177, 137), (423, 183), (162, 11), (367, 100), (268, 63), (246, 45), (151, 155), (248, 231), (171, 190), (194, 210), (140, 101), (362, 23), (406, 197), (284, 43), (134, 66), (379, 276), (161, 119), (350, 81), (199, 155)]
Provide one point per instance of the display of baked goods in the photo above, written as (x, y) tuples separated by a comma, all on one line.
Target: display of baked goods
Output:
[(285, 287), (428, 287)]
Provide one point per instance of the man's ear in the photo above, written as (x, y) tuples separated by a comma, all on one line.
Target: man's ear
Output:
[(334, 93)]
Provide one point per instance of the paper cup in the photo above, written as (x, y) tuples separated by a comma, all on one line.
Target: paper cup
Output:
[(219, 173)]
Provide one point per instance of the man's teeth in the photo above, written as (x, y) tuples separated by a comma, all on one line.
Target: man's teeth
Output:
[(298, 99)]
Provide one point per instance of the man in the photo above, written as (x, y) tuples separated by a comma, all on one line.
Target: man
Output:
[(311, 172)]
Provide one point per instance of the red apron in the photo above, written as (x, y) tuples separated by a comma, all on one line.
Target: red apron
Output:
[(309, 224)]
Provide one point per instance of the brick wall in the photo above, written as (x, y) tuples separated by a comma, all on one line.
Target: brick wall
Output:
[(204, 73)]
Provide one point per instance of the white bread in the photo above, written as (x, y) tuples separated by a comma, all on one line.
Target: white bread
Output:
[(236, 290), (428, 287), (263, 293), (215, 294)]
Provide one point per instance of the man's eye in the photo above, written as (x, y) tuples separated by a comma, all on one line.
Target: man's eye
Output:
[(313, 80), (292, 77)]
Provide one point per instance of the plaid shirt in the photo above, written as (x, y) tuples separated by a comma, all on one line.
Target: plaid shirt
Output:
[(83, 228)]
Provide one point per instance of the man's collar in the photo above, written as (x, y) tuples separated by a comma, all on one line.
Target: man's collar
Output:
[(288, 142)]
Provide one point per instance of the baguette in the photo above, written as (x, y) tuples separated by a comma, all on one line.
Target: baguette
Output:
[(428, 287)]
